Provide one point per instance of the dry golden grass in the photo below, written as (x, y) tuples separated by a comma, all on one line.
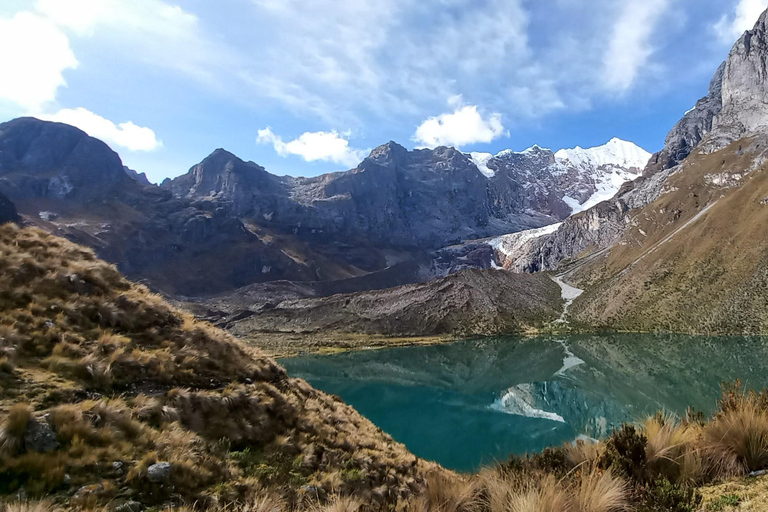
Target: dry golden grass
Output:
[(736, 441), (12, 429), (600, 491), (127, 379), (674, 448), (583, 452), (30, 506)]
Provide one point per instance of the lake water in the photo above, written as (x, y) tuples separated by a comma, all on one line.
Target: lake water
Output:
[(474, 402)]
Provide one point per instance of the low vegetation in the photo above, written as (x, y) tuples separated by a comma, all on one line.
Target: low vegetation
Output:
[(114, 400), (111, 396)]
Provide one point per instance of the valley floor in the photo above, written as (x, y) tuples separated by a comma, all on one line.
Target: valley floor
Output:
[(280, 345)]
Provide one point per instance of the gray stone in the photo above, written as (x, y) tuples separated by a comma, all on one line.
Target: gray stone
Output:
[(159, 472), (745, 87), (129, 506), (39, 437)]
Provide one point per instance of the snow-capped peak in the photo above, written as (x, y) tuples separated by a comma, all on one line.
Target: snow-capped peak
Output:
[(617, 153)]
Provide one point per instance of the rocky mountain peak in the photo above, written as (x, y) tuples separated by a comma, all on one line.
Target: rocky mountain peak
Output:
[(744, 87), (391, 151), (58, 160)]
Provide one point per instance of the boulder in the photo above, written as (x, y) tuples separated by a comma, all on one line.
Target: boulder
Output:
[(159, 472), (39, 437)]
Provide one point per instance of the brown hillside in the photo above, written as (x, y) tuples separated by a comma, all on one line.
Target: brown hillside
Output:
[(472, 302), (695, 260), (101, 380)]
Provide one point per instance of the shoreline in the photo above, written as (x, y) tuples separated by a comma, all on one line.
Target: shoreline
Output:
[(288, 345)]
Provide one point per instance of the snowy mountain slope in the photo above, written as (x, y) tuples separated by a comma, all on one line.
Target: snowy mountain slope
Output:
[(577, 178)]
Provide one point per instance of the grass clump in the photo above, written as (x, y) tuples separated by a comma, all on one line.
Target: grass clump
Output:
[(724, 502)]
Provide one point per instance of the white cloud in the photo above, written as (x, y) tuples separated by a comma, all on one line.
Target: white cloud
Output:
[(313, 146), (732, 26), (125, 135), (463, 126), (35, 53), (631, 44)]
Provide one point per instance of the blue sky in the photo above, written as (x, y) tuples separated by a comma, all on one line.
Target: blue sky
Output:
[(304, 87)]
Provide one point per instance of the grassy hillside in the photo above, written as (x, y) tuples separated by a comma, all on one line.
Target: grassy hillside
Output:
[(103, 382), (695, 260)]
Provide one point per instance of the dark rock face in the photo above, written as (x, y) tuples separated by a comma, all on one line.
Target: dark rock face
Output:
[(7, 210), (745, 88), (138, 177), (691, 129), (58, 174), (41, 159), (422, 198)]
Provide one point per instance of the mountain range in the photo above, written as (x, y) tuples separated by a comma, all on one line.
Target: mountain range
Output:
[(602, 215), (371, 227)]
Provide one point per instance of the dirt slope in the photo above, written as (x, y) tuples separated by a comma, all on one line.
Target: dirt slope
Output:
[(473, 302), (696, 259)]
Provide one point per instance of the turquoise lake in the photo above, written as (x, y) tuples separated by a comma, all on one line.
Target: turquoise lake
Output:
[(474, 402)]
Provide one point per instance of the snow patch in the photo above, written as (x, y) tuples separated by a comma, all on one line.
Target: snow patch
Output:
[(518, 400), (481, 161), (510, 244)]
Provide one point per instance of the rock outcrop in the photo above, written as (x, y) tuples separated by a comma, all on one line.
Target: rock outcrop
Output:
[(587, 232), (745, 88), (735, 107), (691, 129), (43, 159), (7, 210)]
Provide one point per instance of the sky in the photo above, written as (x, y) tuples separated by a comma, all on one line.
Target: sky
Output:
[(304, 87)]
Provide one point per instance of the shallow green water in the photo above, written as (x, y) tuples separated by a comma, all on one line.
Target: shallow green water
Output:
[(476, 401)]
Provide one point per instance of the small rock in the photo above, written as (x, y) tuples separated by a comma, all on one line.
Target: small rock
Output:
[(310, 489), (159, 472), (87, 490), (39, 437), (67, 479), (48, 216), (758, 473), (129, 506)]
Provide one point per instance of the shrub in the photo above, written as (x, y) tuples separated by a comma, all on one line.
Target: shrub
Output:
[(625, 453), (661, 495)]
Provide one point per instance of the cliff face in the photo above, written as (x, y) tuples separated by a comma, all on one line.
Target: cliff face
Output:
[(395, 197), (736, 107), (56, 160), (745, 88), (691, 129)]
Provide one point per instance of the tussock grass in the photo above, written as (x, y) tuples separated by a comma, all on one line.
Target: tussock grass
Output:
[(127, 381)]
